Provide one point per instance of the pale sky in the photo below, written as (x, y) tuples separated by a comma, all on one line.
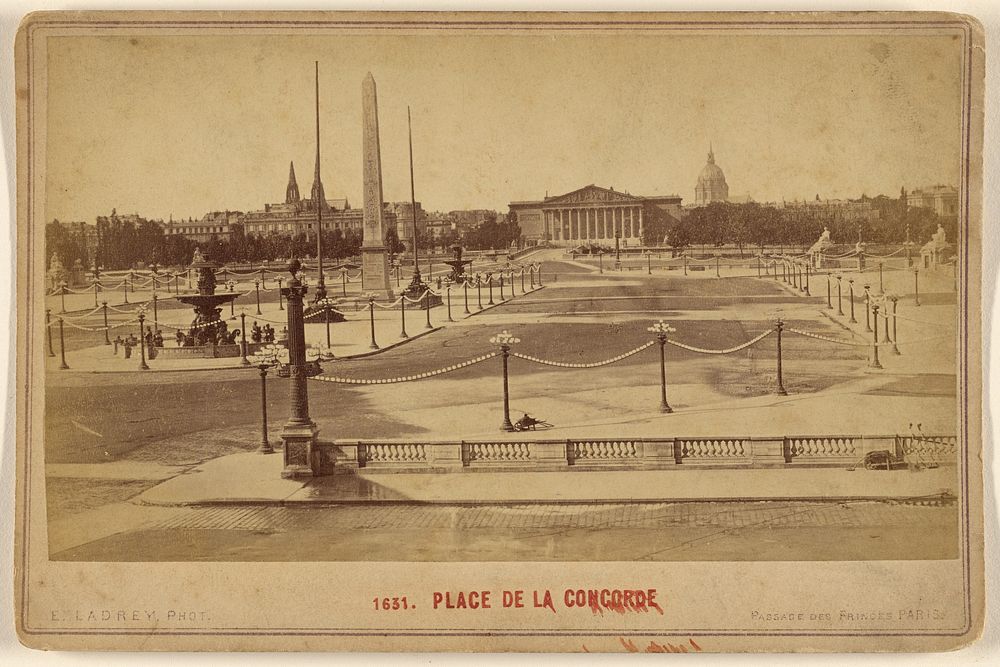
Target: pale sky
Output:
[(185, 125)]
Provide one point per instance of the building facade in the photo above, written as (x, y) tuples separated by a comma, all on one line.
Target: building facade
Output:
[(217, 224), (942, 199), (590, 214), (298, 216)]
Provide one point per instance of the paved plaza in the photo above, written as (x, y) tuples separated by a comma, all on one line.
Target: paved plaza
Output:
[(125, 444)]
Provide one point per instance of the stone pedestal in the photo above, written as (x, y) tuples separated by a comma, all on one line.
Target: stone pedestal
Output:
[(375, 271), (301, 451)]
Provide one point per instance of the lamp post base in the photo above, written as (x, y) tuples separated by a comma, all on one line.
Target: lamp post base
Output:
[(265, 448), (301, 453), (666, 409)]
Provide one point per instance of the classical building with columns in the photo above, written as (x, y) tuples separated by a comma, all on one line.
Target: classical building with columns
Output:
[(592, 214)]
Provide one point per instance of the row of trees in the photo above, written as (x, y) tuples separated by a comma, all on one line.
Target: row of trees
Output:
[(753, 224), (130, 243)]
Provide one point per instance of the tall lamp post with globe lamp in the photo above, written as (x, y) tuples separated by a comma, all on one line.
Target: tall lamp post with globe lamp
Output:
[(661, 329), (504, 339)]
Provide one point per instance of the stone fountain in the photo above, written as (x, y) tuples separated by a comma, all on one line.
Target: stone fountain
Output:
[(457, 264), (208, 330)]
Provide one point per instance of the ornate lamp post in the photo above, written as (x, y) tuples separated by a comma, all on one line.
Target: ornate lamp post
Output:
[(875, 362), (447, 289), (427, 306), (281, 297), (256, 287), (504, 339), (883, 304), (806, 289), (850, 288), (600, 260), (649, 263), (48, 330), (343, 280), (881, 287), (264, 359), (62, 347), (141, 310), (868, 308), (779, 325), (402, 316), (895, 340), (916, 286), (840, 296), (243, 338), (153, 268), (104, 307), (661, 329), (299, 433), (618, 253), (371, 319), (231, 284), (326, 304)]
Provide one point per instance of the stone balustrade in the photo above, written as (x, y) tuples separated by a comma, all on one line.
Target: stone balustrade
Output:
[(631, 453)]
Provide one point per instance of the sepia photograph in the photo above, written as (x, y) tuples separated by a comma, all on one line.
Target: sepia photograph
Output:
[(435, 291)]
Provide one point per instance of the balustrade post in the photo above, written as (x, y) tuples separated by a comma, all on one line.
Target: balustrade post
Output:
[(465, 295), (479, 291), (916, 286), (489, 277), (448, 297)]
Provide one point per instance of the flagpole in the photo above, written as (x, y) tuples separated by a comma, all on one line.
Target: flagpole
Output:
[(413, 204), (321, 283)]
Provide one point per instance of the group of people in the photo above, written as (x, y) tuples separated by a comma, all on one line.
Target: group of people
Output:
[(152, 340), (263, 334), (217, 334)]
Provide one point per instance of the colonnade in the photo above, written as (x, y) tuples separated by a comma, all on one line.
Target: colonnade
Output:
[(590, 223)]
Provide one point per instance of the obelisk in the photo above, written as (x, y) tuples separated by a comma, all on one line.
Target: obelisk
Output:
[(374, 258)]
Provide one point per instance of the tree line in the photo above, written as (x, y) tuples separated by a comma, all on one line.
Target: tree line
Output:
[(758, 225)]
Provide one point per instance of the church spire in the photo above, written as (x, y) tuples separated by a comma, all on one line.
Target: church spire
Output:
[(317, 188), (711, 154), (292, 191)]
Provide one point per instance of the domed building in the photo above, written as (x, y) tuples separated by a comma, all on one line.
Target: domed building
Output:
[(712, 184)]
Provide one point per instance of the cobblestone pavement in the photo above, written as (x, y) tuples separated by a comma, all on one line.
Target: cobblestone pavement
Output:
[(274, 519)]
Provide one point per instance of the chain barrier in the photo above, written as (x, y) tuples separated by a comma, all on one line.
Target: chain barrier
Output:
[(729, 350), (828, 339), (405, 378), (562, 364), (80, 317)]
